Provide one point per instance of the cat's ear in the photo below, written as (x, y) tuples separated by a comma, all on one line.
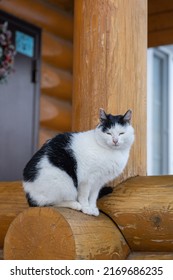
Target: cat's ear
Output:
[(127, 116), (102, 115)]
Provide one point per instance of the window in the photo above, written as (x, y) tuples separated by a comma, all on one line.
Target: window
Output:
[(160, 111)]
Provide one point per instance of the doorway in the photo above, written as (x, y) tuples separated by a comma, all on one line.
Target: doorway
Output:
[(19, 100)]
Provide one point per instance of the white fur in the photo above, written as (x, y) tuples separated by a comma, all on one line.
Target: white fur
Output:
[(99, 160)]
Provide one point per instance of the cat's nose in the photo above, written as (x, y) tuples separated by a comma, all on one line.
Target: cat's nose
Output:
[(115, 141)]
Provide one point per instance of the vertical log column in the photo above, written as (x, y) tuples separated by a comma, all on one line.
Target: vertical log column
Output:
[(110, 44)]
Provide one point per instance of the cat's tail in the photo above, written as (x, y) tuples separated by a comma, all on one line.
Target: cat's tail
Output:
[(104, 191)]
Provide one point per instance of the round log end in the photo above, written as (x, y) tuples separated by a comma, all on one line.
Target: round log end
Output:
[(60, 234), (39, 233)]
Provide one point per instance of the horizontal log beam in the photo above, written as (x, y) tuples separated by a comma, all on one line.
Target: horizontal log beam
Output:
[(64, 234), (160, 21), (55, 114), (12, 202), (159, 6), (161, 37), (66, 5), (142, 207), (56, 83), (150, 256), (42, 15), (57, 52)]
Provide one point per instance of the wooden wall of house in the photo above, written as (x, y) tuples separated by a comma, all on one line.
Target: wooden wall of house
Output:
[(55, 18), (160, 22)]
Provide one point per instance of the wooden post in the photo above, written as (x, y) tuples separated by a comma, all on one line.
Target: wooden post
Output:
[(110, 43)]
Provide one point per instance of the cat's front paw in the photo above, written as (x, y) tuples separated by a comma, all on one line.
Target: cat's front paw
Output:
[(76, 206), (94, 211)]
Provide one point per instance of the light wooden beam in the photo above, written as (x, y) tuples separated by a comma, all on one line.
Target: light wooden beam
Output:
[(12, 202), (150, 256), (63, 234), (110, 45), (135, 223), (55, 114), (142, 208), (56, 83), (57, 52)]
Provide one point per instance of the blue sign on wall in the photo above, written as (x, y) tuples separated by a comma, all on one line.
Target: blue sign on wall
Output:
[(24, 44)]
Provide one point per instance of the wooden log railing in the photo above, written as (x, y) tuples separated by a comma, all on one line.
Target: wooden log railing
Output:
[(51, 20), (135, 223), (142, 208), (49, 233), (12, 202)]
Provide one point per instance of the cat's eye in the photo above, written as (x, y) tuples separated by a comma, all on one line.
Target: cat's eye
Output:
[(121, 133), (108, 133)]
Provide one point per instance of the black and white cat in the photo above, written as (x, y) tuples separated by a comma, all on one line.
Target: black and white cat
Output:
[(71, 168)]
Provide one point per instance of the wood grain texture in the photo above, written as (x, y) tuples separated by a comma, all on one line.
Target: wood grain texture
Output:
[(55, 114), (48, 233), (142, 208), (110, 43), (160, 22), (42, 15), (57, 52), (12, 202), (56, 83), (150, 256)]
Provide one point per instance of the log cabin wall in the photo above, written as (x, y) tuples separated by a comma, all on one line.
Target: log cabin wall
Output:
[(55, 18), (160, 22)]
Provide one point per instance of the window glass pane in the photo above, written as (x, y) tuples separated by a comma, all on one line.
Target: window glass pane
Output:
[(157, 114)]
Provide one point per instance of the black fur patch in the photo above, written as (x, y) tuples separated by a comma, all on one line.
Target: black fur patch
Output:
[(61, 155), (31, 202), (30, 171), (111, 120)]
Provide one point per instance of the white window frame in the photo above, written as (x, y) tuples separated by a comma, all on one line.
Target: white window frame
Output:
[(169, 116)]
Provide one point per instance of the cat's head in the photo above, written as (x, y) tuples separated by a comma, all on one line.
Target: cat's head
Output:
[(115, 132)]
